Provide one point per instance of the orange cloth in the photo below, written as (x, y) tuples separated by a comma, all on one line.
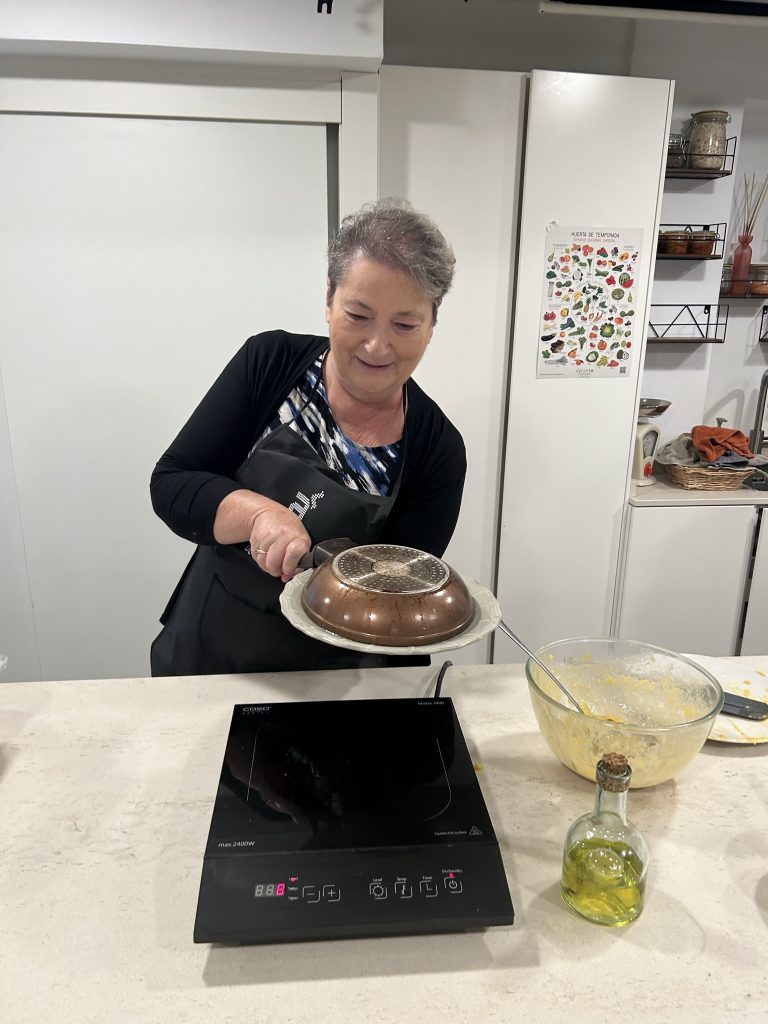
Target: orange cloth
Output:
[(712, 442)]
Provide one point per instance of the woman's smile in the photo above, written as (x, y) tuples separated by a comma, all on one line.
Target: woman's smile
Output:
[(373, 366)]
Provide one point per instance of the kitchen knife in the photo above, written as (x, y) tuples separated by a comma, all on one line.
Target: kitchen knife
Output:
[(744, 707)]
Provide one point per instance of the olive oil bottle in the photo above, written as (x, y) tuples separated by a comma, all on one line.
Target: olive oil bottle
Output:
[(605, 859)]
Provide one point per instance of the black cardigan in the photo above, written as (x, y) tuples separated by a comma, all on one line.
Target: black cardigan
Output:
[(198, 470)]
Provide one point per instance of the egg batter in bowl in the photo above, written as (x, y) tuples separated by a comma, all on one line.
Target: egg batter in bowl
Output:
[(654, 706)]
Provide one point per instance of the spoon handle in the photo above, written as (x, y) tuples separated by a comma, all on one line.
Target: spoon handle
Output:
[(505, 629)]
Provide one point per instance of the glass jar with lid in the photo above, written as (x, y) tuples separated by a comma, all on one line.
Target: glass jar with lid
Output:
[(676, 151), (706, 140), (759, 279), (703, 242), (674, 243), (725, 283)]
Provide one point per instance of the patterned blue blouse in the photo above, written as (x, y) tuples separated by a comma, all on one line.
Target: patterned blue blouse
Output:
[(307, 411)]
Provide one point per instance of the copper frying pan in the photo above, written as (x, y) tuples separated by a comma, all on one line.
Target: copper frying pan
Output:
[(384, 594)]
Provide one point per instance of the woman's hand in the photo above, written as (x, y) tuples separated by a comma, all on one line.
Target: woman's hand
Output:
[(278, 540), (276, 535)]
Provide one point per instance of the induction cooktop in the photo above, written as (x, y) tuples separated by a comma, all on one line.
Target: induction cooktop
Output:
[(338, 819)]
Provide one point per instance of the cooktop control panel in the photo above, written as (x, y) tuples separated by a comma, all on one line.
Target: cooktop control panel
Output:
[(379, 888), (361, 893)]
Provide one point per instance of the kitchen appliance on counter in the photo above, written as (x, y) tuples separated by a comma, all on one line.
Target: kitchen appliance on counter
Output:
[(336, 819), (647, 440)]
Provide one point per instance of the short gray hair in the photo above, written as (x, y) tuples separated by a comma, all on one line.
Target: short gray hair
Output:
[(391, 232)]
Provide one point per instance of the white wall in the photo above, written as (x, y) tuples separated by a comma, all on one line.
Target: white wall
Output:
[(451, 142), (753, 158), (287, 32), (680, 372), (707, 381), (735, 371)]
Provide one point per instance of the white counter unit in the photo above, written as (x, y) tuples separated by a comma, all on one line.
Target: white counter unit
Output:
[(664, 493), (106, 791), (694, 570), (755, 636), (684, 576)]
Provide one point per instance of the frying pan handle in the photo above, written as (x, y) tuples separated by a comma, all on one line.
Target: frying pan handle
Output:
[(324, 550)]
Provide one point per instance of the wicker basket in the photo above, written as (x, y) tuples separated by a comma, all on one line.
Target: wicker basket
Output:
[(696, 478)]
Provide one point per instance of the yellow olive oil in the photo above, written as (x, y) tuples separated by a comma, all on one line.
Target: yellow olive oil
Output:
[(603, 880)]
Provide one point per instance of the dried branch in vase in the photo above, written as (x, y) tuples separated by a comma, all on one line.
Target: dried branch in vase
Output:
[(754, 194)]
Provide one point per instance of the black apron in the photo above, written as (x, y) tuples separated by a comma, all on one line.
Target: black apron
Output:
[(224, 615)]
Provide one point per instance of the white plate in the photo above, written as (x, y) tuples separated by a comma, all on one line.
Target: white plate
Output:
[(749, 678), (486, 619)]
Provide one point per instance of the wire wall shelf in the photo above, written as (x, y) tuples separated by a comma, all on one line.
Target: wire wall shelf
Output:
[(742, 289), (691, 241), (687, 324), (704, 173)]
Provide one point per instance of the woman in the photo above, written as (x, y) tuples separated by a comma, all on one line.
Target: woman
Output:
[(304, 438)]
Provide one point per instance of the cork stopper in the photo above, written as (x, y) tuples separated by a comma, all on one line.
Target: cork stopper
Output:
[(613, 773)]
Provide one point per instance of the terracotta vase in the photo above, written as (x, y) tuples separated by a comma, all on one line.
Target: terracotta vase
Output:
[(742, 262)]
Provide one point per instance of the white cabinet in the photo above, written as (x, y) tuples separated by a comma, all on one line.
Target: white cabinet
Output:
[(562, 504), (755, 639), (136, 256), (451, 141), (684, 576), (17, 627)]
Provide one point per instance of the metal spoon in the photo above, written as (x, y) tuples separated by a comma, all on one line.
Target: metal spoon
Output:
[(505, 629)]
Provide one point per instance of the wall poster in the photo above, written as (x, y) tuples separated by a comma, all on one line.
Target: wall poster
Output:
[(587, 321)]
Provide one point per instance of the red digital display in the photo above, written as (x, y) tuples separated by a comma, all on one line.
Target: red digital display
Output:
[(269, 889)]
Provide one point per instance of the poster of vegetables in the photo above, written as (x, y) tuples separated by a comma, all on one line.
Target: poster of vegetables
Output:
[(587, 322)]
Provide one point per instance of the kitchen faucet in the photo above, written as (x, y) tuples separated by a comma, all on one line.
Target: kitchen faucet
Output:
[(756, 436)]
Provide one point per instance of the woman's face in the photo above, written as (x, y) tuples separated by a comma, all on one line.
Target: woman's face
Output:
[(379, 325)]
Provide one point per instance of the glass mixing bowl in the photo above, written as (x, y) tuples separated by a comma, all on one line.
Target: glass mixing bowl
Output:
[(654, 706)]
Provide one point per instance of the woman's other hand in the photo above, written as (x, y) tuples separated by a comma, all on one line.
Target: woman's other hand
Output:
[(276, 535)]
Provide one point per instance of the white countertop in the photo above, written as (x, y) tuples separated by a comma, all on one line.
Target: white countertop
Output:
[(665, 493), (106, 791)]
